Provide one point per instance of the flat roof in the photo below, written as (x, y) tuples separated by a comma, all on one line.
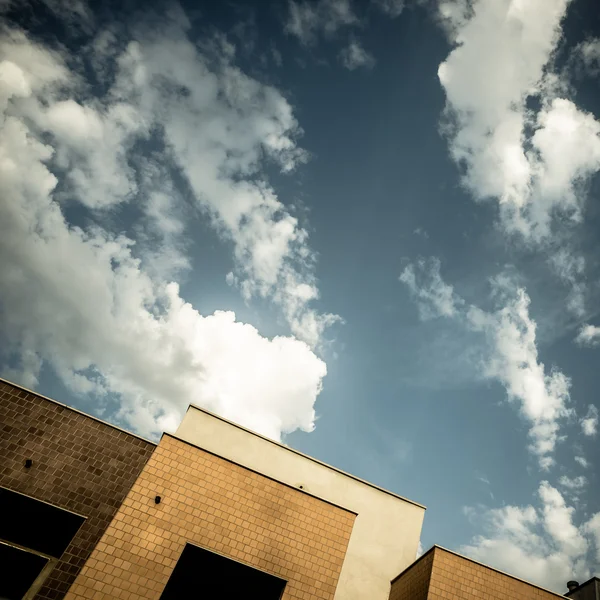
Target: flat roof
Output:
[(311, 458), (24, 389), (436, 546)]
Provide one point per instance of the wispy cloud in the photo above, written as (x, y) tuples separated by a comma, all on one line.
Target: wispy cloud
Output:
[(511, 357), (354, 56), (307, 20), (582, 461), (540, 544), (589, 335), (392, 8), (103, 309), (433, 296), (589, 423), (573, 483)]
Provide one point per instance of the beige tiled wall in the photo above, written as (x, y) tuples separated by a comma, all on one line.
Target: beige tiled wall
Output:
[(413, 584), (216, 504), (441, 575), (453, 576)]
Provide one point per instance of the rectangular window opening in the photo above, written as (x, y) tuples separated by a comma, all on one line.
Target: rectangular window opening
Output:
[(36, 525), (199, 572)]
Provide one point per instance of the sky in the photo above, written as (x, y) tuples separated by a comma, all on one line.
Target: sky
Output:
[(366, 229)]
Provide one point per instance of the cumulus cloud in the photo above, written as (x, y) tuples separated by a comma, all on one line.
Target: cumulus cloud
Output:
[(534, 165), (589, 335), (589, 424), (433, 296), (354, 56), (307, 20), (89, 302), (541, 544)]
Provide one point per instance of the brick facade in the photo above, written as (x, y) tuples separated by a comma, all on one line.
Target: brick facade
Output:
[(414, 582), (440, 574), (79, 464), (219, 505)]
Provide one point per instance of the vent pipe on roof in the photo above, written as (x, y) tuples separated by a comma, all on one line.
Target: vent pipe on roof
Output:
[(572, 585)]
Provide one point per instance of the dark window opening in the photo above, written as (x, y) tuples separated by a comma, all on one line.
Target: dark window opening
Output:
[(33, 524), (200, 573), (19, 571)]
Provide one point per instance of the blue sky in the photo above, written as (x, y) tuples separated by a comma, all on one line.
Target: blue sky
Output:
[(367, 229)]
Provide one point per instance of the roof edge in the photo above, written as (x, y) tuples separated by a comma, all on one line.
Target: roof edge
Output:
[(535, 585), (23, 388), (311, 458), (278, 481)]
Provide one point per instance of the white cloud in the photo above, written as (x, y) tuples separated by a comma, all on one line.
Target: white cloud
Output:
[(531, 176), (511, 357), (308, 20), (589, 335), (542, 545), (434, 297), (582, 461), (573, 483), (392, 8), (587, 56), (419, 550), (542, 397), (354, 56), (589, 424), (571, 269), (83, 301)]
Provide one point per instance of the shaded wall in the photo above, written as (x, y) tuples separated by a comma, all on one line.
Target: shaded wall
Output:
[(221, 506), (79, 464)]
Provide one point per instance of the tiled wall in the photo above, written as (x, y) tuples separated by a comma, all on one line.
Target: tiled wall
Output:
[(413, 584), (79, 464), (455, 577), (441, 575), (221, 506)]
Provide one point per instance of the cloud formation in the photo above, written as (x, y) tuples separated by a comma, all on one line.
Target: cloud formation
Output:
[(108, 318), (434, 297), (589, 423), (308, 20), (511, 358), (354, 56), (589, 335), (518, 138), (540, 544)]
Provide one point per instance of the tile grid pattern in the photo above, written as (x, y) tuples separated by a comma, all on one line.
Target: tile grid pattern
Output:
[(413, 584), (442, 575), (79, 464), (223, 507)]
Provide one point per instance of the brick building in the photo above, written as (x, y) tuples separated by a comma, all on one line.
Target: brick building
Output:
[(441, 574), (91, 512), (59, 469)]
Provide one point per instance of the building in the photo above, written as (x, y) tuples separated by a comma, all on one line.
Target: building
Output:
[(441, 573), (89, 511), (590, 590)]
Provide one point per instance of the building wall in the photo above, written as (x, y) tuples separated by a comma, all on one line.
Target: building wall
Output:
[(444, 574), (387, 528), (79, 464), (413, 584), (222, 506)]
